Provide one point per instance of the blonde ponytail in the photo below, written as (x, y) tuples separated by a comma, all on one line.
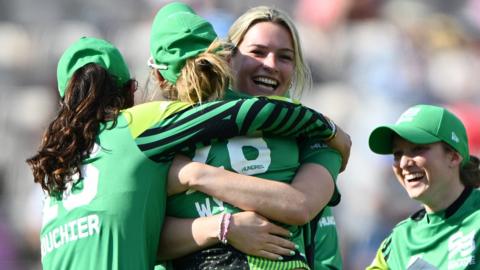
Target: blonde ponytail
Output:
[(205, 77)]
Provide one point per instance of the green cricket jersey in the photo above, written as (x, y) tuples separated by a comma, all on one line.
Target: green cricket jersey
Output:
[(327, 249), (111, 218), (445, 240), (272, 157), (321, 238)]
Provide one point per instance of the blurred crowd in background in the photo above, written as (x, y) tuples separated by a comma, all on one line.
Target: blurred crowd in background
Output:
[(371, 59)]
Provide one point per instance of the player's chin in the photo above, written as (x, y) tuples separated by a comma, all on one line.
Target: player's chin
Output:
[(416, 193)]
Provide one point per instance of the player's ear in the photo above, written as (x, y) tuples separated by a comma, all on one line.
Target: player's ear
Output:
[(455, 158), (233, 52)]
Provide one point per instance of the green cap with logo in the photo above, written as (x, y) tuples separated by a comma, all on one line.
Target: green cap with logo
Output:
[(423, 124), (91, 50), (178, 34)]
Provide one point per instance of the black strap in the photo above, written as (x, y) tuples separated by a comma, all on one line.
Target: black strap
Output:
[(310, 243)]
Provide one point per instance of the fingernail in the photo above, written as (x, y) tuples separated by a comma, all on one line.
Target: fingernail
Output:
[(296, 246), (292, 252), (280, 258)]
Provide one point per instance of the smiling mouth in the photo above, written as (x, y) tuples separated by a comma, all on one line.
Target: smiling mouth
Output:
[(414, 177), (265, 82)]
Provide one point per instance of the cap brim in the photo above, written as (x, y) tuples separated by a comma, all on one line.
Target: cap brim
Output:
[(381, 138)]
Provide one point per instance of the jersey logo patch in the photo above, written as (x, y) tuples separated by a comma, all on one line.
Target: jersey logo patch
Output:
[(460, 250)]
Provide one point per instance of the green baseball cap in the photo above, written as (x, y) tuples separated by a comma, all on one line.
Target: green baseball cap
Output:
[(178, 34), (423, 124), (88, 50)]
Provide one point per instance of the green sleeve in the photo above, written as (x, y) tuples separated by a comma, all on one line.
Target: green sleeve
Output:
[(321, 236), (327, 249), (200, 125), (317, 152), (379, 262)]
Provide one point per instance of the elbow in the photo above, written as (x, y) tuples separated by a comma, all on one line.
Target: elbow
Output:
[(299, 218), (305, 212), (301, 215), (304, 217), (193, 174)]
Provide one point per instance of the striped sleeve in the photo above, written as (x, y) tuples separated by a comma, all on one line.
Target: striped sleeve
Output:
[(380, 260), (203, 124)]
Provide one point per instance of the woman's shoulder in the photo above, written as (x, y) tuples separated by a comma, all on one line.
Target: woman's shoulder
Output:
[(475, 199), (476, 193), (143, 116), (408, 222)]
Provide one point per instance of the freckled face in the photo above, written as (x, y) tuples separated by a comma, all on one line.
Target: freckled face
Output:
[(264, 62)]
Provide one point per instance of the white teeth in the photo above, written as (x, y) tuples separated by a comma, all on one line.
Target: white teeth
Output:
[(413, 176), (268, 81)]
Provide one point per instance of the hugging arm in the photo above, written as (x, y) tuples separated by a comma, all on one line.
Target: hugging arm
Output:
[(294, 208), (310, 191), (295, 204), (342, 143), (177, 126), (248, 232)]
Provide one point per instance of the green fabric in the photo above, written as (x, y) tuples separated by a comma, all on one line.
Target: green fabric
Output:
[(311, 151), (327, 246), (272, 158), (91, 50), (317, 152), (266, 157), (423, 124), (326, 249), (113, 216), (435, 241), (107, 226), (231, 95), (178, 34), (379, 262)]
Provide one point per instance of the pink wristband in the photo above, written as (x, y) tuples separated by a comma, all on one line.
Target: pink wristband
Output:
[(224, 225)]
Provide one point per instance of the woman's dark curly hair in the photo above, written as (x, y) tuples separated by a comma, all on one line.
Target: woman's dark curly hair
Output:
[(91, 98)]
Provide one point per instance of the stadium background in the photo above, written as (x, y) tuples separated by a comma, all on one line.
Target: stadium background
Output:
[(370, 59)]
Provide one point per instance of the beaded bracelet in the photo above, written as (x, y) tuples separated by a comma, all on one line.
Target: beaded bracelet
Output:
[(224, 225)]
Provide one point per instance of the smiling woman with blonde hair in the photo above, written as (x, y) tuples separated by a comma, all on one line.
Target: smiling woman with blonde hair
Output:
[(301, 78), (266, 61)]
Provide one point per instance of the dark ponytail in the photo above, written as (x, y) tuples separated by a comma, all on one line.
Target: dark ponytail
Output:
[(91, 98), (470, 173)]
